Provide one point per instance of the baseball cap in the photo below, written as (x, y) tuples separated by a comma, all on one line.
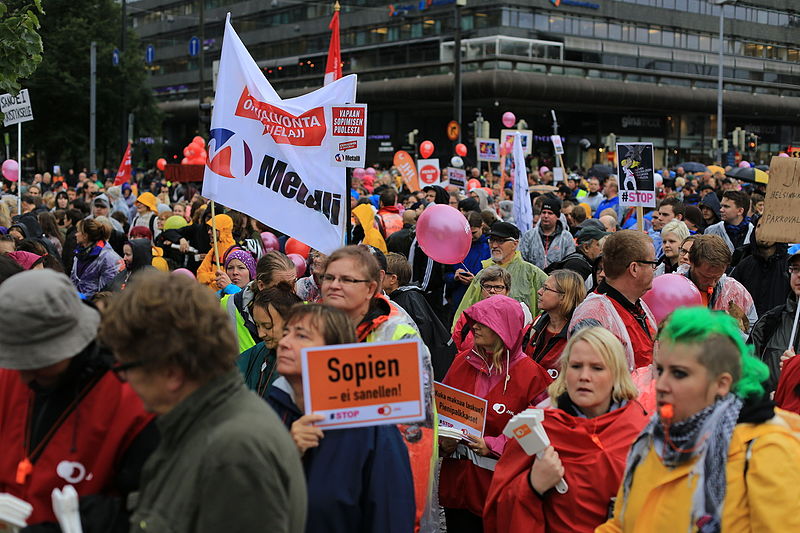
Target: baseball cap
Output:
[(590, 233), (504, 230)]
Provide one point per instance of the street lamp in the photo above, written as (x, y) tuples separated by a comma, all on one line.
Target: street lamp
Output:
[(721, 4)]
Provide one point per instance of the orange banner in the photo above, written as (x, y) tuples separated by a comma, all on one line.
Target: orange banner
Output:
[(460, 410), (356, 385), (405, 165)]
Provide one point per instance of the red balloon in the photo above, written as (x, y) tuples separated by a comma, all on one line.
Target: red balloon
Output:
[(299, 264), (461, 149), (185, 161), (161, 163), (293, 246), (426, 149), (670, 292), (189, 151), (199, 141), (473, 184), (444, 234), (269, 241)]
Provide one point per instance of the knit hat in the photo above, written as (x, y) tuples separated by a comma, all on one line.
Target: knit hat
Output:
[(175, 222), (163, 208), (149, 200), (245, 257), (24, 259), (51, 324), (552, 204)]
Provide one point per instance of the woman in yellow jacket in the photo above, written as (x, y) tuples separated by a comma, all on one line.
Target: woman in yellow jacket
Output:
[(717, 456), (207, 271)]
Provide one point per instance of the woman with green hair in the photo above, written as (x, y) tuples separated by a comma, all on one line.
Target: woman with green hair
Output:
[(716, 456)]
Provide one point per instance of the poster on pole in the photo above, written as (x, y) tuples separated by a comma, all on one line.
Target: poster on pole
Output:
[(457, 177), (348, 135), (507, 136), (558, 175), (635, 168), (781, 220), (357, 385), (408, 170), (429, 173), (488, 150), (460, 410), (16, 109), (557, 146)]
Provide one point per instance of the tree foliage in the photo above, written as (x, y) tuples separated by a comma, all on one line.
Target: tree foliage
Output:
[(60, 86), (20, 43)]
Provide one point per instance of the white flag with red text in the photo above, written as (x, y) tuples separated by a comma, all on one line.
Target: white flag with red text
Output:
[(270, 158)]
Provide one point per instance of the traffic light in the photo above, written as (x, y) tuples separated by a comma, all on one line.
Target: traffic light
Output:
[(752, 142), (738, 138)]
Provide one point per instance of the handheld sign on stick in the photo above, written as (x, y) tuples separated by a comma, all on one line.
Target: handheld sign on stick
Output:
[(65, 507), (527, 428)]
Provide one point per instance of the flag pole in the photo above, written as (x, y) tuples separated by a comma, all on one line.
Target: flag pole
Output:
[(19, 168), (348, 172), (214, 234)]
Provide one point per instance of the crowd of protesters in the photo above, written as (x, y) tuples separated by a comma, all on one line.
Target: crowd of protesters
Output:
[(150, 357)]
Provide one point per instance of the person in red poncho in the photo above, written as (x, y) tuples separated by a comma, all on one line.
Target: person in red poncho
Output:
[(497, 370), (594, 420)]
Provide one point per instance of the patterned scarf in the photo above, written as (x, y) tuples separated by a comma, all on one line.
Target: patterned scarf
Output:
[(705, 436)]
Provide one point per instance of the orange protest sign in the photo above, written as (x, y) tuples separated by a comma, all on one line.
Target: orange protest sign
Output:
[(460, 410), (405, 165), (356, 385)]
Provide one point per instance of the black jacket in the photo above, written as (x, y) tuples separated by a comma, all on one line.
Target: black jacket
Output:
[(770, 337), (766, 279)]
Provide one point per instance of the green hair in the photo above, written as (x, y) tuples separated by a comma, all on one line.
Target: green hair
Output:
[(696, 325)]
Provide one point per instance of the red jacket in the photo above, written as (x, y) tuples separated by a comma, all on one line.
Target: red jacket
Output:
[(787, 395), (593, 452), (390, 220), (462, 484), (83, 452)]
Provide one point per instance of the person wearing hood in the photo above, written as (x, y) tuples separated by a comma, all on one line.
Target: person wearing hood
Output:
[(146, 213), (763, 270), (364, 215), (207, 272), (101, 207), (436, 195), (497, 370), (482, 198), (118, 203), (137, 255), (591, 422), (95, 263), (548, 241), (27, 260), (709, 207), (27, 226)]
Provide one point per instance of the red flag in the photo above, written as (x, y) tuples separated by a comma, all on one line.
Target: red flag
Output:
[(333, 69), (124, 174)]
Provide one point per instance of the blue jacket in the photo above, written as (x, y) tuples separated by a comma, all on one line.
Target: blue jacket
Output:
[(605, 204), (359, 480), (478, 251)]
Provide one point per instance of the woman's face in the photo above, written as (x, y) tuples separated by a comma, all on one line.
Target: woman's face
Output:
[(453, 201), (127, 255), (684, 383), (683, 253), (550, 295), (671, 246), (160, 223), (601, 273), (299, 334), (484, 336), (589, 380), (62, 202), (269, 324), (80, 237), (238, 272), (346, 289), (179, 210), (141, 208)]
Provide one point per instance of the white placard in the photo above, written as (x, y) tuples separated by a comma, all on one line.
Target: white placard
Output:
[(429, 173), (348, 139), (559, 148), (16, 109)]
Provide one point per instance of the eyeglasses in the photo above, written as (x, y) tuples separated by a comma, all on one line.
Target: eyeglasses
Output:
[(119, 369), (653, 264), (500, 240), (552, 290), (493, 289), (794, 269), (683, 251), (344, 280)]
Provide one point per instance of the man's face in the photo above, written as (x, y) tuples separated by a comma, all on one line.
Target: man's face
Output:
[(609, 189), (100, 210), (82, 177), (729, 212), (46, 377), (153, 388), (430, 195), (547, 220), (34, 191), (477, 233), (502, 249), (646, 270), (666, 214), (593, 250), (71, 194), (657, 222), (706, 276), (594, 185), (794, 276), (475, 173)]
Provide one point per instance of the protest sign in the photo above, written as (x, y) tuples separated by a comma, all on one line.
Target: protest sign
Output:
[(16, 109), (781, 221), (557, 146), (527, 139), (408, 170), (488, 150), (348, 135), (271, 158), (429, 173), (357, 385), (460, 410), (457, 177), (558, 175), (637, 185)]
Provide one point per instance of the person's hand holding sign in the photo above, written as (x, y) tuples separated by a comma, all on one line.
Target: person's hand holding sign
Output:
[(447, 445), (478, 445), (547, 471), (305, 434)]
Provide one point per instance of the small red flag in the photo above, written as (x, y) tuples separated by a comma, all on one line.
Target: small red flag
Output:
[(125, 173), (333, 69)]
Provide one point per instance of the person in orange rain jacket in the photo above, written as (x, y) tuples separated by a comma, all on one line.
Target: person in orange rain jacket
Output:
[(207, 272)]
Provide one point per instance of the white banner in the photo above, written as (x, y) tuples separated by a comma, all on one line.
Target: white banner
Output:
[(429, 172), (16, 109), (270, 158), (522, 209)]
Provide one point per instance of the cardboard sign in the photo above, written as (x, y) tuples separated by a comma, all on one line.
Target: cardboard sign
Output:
[(460, 410), (558, 175), (559, 148), (527, 139), (781, 221), (348, 141), (405, 164), (429, 173), (635, 167), (457, 177), (357, 385), (488, 150), (16, 109)]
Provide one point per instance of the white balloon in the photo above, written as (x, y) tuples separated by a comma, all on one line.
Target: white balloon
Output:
[(456, 161)]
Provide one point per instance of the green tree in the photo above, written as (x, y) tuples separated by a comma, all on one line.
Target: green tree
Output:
[(60, 86), (20, 44)]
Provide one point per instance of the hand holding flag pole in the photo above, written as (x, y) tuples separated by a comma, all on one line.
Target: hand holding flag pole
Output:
[(214, 234)]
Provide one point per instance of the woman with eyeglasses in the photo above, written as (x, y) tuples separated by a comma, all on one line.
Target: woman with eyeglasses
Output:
[(563, 291), (495, 369), (351, 282), (683, 254), (717, 456), (672, 235)]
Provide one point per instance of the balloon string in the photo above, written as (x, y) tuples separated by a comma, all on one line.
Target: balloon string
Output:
[(465, 267)]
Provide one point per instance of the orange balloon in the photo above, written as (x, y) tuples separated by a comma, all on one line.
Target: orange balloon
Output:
[(293, 246)]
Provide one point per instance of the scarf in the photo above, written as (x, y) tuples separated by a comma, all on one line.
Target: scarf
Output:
[(705, 436), (734, 230), (85, 255)]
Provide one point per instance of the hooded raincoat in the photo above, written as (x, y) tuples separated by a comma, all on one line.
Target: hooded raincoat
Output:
[(206, 273), (533, 249), (142, 258), (509, 389), (365, 215)]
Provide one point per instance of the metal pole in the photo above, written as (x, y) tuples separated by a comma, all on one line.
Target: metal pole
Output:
[(93, 106), (719, 80), (202, 55), (457, 68), (124, 118)]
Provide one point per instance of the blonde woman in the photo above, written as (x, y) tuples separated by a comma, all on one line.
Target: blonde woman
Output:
[(672, 235)]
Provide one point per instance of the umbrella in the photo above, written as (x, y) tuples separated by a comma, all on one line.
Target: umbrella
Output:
[(693, 167), (752, 175), (600, 171), (714, 169), (763, 167)]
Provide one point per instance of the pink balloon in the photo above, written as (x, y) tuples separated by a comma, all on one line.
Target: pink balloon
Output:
[(783, 154), (269, 241), (670, 292), (299, 263), (10, 170), (509, 119), (744, 164), (443, 234), (358, 173), (184, 272), (369, 171)]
